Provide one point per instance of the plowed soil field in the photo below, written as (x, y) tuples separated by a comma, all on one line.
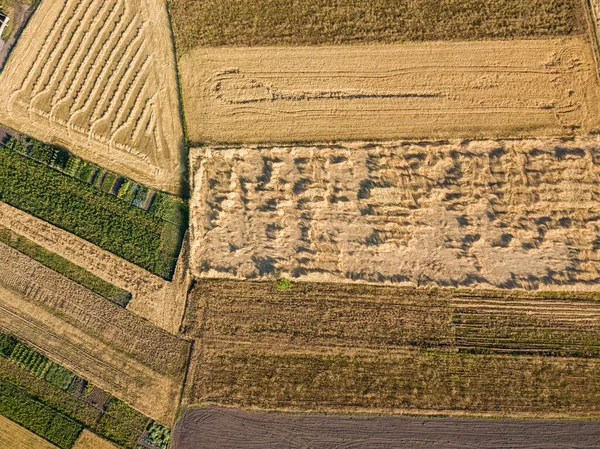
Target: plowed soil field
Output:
[(500, 214), (434, 90), (99, 78), (222, 428)]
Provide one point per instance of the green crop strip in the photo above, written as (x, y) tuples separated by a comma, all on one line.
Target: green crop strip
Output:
[(65, 267), (151, 239)]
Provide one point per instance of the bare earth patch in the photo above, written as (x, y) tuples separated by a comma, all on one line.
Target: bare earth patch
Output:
[(223, 428), (496, 214), (99, 78), (438, 90)]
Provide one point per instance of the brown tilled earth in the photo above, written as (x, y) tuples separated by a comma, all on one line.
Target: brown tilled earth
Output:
[(500, 214), (99, 78), (440, 90), (204, 428)]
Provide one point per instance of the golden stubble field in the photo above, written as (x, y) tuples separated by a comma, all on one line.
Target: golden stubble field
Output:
[(436, 90), (14, 436), (99, 78), (502, 214)]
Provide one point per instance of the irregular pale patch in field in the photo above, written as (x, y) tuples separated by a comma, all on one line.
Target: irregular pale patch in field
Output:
[(13, 436), (417, 91), (99, 78), (500, 214), (89, 440), (159, 301)]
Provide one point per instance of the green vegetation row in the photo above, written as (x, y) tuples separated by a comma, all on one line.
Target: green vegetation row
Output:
[(60, 404), (65, 267), (93, 204), (331, 22)]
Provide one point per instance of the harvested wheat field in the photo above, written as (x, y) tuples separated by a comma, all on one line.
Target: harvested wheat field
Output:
[(99, 78), (13, 436), (374, 349), (503, 214), (115, 349), (416, 91), (203, 429)]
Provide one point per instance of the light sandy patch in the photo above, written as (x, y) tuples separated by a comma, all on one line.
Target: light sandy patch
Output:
[(486, 213), (99, 78), (416, 91), (13, 436), (153, 298), (89, 440)]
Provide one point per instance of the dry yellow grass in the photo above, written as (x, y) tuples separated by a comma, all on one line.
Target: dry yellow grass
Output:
[(13, 436), (417, 91), (500, 214), (363, 348), (89, 440), (100, 79), (159, 301)]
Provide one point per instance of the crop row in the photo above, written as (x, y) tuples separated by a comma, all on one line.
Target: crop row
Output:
[(149, 239), (65, 267), (73, 399)]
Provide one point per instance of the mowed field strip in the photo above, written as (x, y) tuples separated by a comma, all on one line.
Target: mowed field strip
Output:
[(159, 301), (375, 349), (99, 78), (416, 91), (500, 214), (115, 349)]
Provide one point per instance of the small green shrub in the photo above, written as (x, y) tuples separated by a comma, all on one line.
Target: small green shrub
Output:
[(283, 284), (7, 345)]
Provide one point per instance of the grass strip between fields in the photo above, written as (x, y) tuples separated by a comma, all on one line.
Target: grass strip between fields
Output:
[(65, 267), (150, 239)]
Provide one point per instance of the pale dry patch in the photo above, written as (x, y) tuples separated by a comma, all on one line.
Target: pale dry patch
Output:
[(13, 436), (99, 78), (89, 440), (486, 213), (159, 301), (416, 91)]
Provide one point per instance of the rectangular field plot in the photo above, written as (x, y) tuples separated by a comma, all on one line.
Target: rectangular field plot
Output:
[(322, 22), (364, 348), (498, 214), (367, 348), (415, 91)]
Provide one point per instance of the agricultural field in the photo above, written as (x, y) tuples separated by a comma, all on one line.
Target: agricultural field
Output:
[(374, 349), (99, 78), (246, 23), (14, 436), (203, 429), (149, 238), (153, 298), (115, 349), (75, 405), (503, 214), (441, 90)]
